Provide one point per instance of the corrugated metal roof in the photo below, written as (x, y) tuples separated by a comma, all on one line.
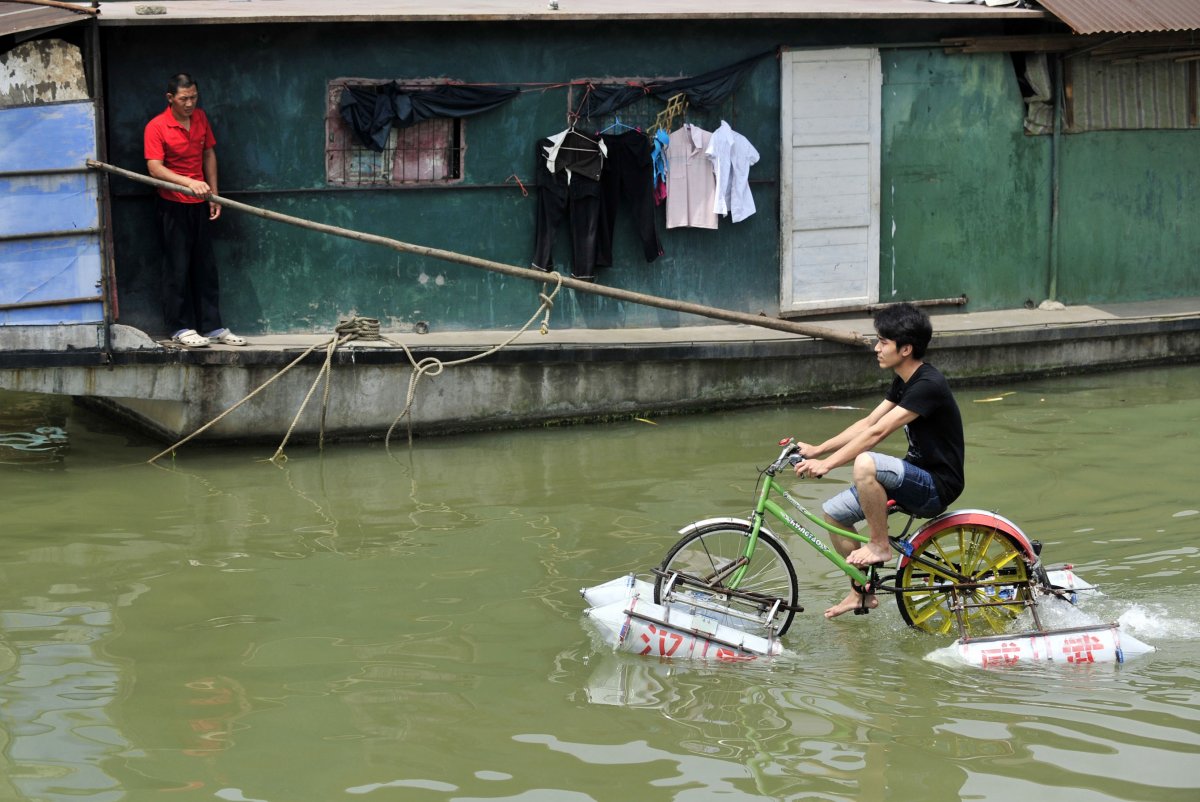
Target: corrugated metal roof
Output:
[(1126, 16), (21, 17)]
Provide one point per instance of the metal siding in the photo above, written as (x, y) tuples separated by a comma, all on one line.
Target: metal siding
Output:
[(1128, 216), (51, 136), (39, 264), (34, 204), (1110, 96), (48, 270)]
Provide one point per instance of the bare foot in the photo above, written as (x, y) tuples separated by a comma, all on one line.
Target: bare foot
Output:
[(868, 555), (850, 603)]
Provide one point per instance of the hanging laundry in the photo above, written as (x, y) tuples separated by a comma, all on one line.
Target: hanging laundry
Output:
[(627, 181), (732, 156), (659, 158), (692, 185), (576, 153), (564, 194)]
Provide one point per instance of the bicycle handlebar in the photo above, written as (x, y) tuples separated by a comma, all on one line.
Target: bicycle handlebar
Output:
[(789, 456)]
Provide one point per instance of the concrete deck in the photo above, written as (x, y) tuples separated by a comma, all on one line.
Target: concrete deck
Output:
[(564, 376)]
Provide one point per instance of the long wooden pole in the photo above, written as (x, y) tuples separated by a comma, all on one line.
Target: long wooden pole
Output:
[(818, 332)]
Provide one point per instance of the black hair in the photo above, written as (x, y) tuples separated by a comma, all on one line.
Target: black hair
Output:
[(180, 81), (905, 324)]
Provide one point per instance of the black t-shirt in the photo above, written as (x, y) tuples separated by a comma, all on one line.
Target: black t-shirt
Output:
[(935, 438)]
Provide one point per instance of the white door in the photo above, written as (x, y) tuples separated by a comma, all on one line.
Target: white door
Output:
[(829, 192)]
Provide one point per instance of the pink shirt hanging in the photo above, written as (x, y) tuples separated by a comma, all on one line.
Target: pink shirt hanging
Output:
[(691, 182)]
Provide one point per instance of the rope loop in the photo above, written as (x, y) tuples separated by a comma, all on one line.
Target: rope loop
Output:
[(359, 328)]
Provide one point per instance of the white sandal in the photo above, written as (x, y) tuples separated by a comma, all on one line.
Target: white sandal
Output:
[(191, 339), (226, 337)]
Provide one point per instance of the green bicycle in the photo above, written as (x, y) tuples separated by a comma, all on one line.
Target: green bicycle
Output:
[(969, 570)]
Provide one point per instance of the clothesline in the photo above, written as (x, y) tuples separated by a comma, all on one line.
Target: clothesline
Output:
[(373, 110)]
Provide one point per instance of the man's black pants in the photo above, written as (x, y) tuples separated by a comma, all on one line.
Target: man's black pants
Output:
[(191, 291)]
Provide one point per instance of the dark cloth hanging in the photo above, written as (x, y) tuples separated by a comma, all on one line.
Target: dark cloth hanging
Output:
[(702, 91), (627, 181), (373, 111), (575, 199)]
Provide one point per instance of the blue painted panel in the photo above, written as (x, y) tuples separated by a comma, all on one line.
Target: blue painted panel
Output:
[(55, 136), (53, 315), (47, 269), (39, 203)]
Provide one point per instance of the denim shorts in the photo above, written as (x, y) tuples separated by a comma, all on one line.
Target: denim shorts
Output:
[(910, 486)]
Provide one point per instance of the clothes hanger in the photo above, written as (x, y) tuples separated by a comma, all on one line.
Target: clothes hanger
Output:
[(619, 125)]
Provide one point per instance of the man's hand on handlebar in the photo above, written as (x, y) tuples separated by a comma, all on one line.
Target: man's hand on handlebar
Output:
[(813, 468), (808, 465)]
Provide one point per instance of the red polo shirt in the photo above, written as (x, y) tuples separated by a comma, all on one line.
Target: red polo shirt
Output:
[(180, 149)]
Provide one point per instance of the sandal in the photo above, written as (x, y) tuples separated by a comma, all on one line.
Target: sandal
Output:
[(191, 339), (226, 337)]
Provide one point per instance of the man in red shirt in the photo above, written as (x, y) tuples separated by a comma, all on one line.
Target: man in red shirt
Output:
[(180, 148)]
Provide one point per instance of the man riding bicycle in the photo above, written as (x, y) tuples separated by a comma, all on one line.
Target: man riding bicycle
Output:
[(925, 482)]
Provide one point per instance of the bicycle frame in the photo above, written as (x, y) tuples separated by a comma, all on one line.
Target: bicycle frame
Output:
[(768, 505)]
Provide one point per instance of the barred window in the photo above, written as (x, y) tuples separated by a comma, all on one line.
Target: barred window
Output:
[(430, 152), (1110, 94), (1130, 87)]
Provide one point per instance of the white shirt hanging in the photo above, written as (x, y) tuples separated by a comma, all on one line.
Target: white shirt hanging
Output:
[(732, 156)]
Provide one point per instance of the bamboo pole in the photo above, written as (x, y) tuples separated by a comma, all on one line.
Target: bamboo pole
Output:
[(817, 332)]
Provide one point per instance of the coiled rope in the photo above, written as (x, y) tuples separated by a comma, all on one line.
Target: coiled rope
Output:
[(367, 328), (357, 328)]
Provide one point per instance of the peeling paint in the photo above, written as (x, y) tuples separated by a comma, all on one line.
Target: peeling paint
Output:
[(41, 71)]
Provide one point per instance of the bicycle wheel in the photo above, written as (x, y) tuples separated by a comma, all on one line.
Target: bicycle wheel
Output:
[(945, 558), (711, 555)]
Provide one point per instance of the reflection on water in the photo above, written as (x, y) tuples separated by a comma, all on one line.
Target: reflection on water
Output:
[(351, 625)]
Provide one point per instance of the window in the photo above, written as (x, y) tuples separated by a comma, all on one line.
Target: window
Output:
[(1135, 88), (430, 152), (1138, 93)]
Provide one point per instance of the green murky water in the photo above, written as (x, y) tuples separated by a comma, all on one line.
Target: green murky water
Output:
[(352, 626)]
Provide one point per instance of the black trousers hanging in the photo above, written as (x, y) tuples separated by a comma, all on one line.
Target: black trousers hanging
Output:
[(557, 200), (190, 289), (627, 182)]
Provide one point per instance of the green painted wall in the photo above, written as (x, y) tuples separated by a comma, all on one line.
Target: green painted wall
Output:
[(964, 206), (965, 201), (964, 194), (1130, 216), (269, 119)]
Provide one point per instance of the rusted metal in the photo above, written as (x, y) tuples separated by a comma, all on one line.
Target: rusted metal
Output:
[(1126, 16)]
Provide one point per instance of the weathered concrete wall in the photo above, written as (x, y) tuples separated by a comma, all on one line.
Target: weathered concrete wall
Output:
[(173, 394)]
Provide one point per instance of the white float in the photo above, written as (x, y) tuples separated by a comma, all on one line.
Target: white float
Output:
[(1097, 643), (625, 616)]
